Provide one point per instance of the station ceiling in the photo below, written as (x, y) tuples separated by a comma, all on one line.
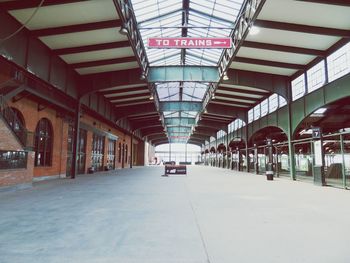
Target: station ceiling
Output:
[(286, 38)]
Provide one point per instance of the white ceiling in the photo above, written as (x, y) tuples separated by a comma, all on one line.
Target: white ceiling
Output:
[(271, 55), (304, 13), (98, 55), (295, 39), (67, 14), (262, 69), (84, 38), (107, 68)]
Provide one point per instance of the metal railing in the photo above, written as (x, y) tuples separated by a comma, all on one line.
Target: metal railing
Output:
[(10, 117)]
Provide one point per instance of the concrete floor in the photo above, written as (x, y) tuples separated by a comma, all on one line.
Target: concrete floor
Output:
[(212, 215)]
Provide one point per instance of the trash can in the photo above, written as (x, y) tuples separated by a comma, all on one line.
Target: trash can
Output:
[(269, 172)]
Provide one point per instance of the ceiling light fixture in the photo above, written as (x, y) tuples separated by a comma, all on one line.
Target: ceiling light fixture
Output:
[(143, 76), (213, 97), (123, 30), (254, 30), (225, 77), (151, 97)]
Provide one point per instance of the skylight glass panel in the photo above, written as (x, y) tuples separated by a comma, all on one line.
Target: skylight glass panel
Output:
[(206, 18), (189, 114), (171, 114)]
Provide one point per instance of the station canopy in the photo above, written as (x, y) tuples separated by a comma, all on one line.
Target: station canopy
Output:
[(191, 18)]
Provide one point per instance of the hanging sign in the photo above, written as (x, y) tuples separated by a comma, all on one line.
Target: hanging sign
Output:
[(189, 42)]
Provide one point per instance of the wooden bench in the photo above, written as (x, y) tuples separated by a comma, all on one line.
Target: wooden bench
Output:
[(175, 169)]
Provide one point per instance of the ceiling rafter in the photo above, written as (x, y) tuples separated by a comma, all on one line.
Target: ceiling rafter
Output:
[(268, 63), (89, 48), (281, 48), (131, 97), (76, 28), (20, 4), (124, 91), (226, 99), (243, 91), (303, 28), (103, 62), (131, 103)]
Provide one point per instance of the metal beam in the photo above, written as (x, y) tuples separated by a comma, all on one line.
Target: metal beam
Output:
[(96, 82), (150, 130), (269, 63), (211, 123), (125, 98), (185, 13), (76, 28), (145, 123), (156, 135), (204, 133), (227, 111), (9, 92), (122, 92), (179, 121), (131, 103), (180, 106), (179, 129), (281, 48), (183, 73), (268, 82), (238, 90), (89, 48), (133, 110), (20, 4), (103, 62), (303, 28), (228, 100)]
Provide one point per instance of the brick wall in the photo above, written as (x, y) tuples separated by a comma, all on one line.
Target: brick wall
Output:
[(14, 176), (31, 115)]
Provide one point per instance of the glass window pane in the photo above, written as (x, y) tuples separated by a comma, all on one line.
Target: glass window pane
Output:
[(273, 102), (250, 115), (339, 63), (298, 87), (316, 76)]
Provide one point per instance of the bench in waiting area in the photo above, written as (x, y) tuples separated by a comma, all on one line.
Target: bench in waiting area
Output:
[(175, 169)]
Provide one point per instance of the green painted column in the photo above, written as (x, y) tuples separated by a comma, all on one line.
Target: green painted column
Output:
[(246, 148), (290, 144), (343, 159)]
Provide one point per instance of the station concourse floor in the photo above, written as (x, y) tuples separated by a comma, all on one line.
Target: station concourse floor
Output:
[(212, 215)]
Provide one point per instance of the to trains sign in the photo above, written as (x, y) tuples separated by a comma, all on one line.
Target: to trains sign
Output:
[(189, 42)]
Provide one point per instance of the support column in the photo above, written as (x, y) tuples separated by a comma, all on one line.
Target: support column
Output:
[(291, 152), (238, 159), (256, 161), (269, 169), (76, 140), (227, 151), (343, 159), (246, 148), (318, 162), (131, 148), (216, 151)]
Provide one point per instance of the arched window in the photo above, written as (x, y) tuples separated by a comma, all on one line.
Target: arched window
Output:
[(43, 143), (17, 120), (120, 153)]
